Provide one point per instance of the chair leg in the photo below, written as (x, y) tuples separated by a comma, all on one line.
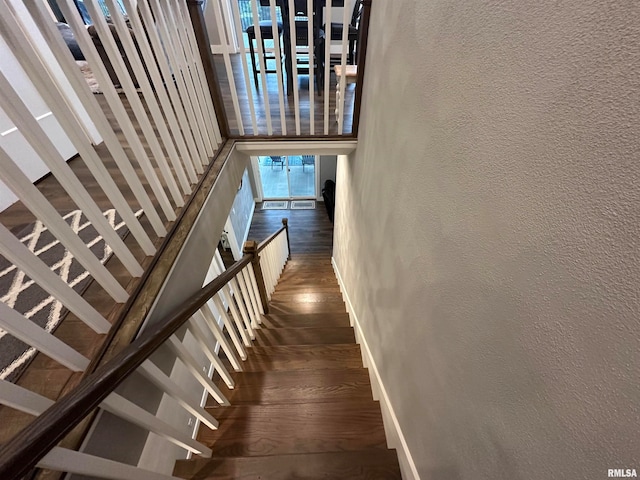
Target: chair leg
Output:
[(253, 60)]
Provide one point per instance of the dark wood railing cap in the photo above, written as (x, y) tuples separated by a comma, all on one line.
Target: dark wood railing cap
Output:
[(269, 239)]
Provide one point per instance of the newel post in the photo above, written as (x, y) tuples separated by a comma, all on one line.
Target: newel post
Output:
[(285, 222), (251, 247)]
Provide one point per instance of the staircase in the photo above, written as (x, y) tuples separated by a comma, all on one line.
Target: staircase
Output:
[(302, 407)]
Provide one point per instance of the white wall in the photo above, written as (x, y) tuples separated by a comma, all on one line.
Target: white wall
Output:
[(241, 214), (215, 39), (487, 233)]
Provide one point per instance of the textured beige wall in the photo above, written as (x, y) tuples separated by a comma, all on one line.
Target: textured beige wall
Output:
[(488, 233)]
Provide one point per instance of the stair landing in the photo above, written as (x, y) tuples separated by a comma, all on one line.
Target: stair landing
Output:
[(302, 407)]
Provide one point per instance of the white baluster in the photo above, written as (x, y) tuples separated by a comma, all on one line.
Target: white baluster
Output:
[(294, 63), (131, 412), (191, 69), (23, 400), (228, 67), (65, 460), (150, 371), (117, 63), (181, 10), (206, 315), (180, 64), (266, 272), (343, 66), (310, 33), (24, 329), (164, 87), (81, 89), (33, 132), (253, 295), (85, 42), (149, 92), (244, 294), (262, 65), (18, 254), (237, 295), (327, 64), (35, 201), (245, 67), (231, 326), (278, 55), (177, 88), (207, 348), (180, 351), (254, 286), (28, 58), (227, 297)]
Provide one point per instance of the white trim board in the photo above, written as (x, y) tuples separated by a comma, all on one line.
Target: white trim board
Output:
[(246, 231), (296, 147), (392, 430)]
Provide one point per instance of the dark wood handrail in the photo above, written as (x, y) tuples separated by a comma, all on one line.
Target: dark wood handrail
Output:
[(22, 452), (262, 245)]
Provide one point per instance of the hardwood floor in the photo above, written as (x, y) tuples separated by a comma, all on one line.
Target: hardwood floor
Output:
[(274, 103), (302, 407), (310, 231)]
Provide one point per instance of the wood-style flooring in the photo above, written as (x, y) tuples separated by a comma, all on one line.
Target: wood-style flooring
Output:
[(310, 231), (273, 94), (302, 406)]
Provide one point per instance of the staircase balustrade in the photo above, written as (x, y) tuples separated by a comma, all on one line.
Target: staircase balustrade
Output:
[(236, 289)]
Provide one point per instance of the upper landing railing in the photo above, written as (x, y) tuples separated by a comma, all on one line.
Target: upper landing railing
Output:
[(299, 75)]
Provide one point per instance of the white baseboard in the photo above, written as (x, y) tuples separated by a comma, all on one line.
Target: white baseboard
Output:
[(393, 432), (245, 236)]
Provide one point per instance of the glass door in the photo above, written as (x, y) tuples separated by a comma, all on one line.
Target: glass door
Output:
[(288, 177)]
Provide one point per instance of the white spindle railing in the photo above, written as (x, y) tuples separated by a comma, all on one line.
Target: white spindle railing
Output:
[(262, 63), (273, 258), (279, 72), (331, 96), (236, 307), (39, 50)]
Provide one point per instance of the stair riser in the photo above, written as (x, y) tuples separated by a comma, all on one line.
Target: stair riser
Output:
[(304, 308), (304, 336), (305, 321), (362, 465), (287, 429), (294, 387)]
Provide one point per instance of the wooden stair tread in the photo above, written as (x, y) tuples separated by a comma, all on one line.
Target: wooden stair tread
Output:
[(307, 280), (302, 406), (356, 465), (248, 430), (273, 320), (298, 386), (306, 307), (304, 336), (302, 357), (281, 296)]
